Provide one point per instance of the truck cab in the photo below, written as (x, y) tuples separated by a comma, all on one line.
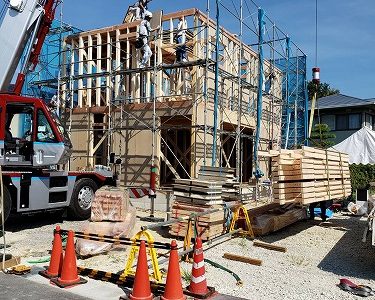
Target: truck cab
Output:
[(31, 135)]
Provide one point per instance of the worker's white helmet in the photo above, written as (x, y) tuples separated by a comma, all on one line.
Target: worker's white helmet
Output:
[(148, 14)]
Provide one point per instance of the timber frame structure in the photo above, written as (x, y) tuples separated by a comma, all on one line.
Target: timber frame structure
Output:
[(167, 114)]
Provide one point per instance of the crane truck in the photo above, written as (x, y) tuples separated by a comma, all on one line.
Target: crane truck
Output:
[(33, 141)]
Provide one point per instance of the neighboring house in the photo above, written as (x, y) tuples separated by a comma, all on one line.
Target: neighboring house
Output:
[(344, 114)]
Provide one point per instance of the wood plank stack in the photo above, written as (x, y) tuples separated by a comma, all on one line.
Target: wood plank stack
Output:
[(310, 175), (209, 225), (225, 176), (196, 191)]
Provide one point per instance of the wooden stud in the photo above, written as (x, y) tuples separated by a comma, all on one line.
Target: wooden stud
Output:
[(269, 246), (89, 70), (248, 260), (80, 71), (99, 47)]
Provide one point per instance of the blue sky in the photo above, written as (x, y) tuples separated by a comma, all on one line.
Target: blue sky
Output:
[(346, 38)]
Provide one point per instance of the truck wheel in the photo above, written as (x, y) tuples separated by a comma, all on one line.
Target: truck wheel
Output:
[(82, 197), (7, 204)]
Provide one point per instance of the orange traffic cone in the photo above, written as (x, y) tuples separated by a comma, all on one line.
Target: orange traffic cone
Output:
[(56, 261), (198, 284), (173, 286), (69, 274), (141, 287)]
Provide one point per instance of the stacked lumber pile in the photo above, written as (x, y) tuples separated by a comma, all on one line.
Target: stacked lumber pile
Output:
[(193, 196), (209, 225), (196, 191), (310, 175), (225, 176)]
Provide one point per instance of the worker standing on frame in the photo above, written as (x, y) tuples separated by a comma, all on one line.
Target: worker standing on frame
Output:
[(181, 40), (139, 9), (144, 35), (136, 10)]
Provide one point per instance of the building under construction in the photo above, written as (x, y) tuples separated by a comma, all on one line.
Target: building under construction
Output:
[(179, 116)]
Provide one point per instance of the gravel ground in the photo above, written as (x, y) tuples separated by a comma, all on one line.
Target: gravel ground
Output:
[(317, 257)]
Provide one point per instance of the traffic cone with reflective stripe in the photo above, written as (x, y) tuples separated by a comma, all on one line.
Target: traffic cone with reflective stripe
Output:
[(69, 273), (141, 287), (56, 261), (198, 284), (173, 286)]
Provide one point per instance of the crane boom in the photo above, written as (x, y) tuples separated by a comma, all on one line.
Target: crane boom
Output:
[(25, 26)]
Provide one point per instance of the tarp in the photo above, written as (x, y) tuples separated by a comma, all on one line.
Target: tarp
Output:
[(360, 146)]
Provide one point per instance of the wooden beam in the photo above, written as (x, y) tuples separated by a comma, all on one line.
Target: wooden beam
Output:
[(125, 36), (248, 260), (269, 246), (181, 13)]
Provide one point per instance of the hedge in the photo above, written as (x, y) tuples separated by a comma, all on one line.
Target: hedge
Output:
[(361, 176)]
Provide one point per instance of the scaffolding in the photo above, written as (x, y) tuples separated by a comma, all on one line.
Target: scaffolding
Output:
[(234, 98), (43, 82)]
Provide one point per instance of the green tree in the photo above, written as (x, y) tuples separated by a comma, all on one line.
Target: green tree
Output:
[(321, 136), (323, 90)]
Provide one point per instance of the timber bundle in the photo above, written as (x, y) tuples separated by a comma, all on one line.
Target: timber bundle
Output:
[(310, 175)]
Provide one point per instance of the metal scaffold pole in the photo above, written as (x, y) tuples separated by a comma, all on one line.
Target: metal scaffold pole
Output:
[(239, 105), (258, 173), (287, 94), (216, 96), (205, 92)]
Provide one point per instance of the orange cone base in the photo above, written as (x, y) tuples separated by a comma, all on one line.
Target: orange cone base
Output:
[(131, 297), (197, 290), (182, 298), (47, 274), (210, 293), (127, 297), (68, 283)]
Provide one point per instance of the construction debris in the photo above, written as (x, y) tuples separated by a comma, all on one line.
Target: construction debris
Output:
[(10, 261), (248, 260), (110, 204), (269, 246), (111, 215)]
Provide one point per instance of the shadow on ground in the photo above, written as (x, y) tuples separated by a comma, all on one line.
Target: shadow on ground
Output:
[(21, 222), (350, 257)]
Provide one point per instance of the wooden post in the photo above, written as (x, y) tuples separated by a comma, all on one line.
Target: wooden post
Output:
[(99, 46), (80, 71), (248, 260), (269, 246)]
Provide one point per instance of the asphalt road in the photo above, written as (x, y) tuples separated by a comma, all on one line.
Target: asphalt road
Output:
[(14, 287)]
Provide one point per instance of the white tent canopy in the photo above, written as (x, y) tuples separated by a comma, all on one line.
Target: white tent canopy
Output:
[(360, 146)]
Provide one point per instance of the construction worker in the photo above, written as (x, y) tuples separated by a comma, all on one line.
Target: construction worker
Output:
[(181, 40), (144, 35), (136, 10), (139, 8)]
